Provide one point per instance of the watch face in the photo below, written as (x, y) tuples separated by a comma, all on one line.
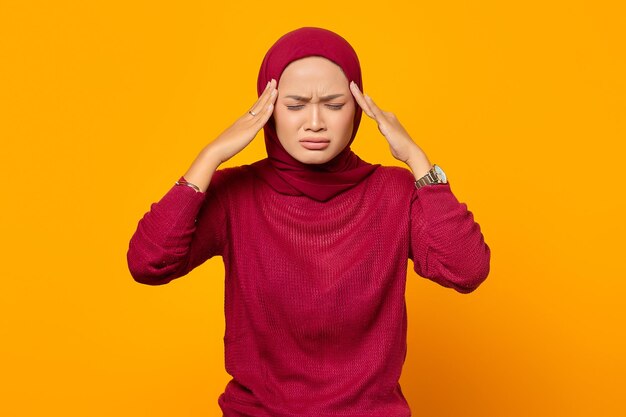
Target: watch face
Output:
[(441, 174)]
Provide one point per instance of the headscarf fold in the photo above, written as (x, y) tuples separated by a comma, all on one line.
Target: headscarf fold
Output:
[(280, 170)]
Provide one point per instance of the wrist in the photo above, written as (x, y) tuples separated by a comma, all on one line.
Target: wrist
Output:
[(419, 164), (211, 157), (435, 175)]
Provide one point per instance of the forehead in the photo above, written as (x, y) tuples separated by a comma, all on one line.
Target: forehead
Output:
[(313, 72)]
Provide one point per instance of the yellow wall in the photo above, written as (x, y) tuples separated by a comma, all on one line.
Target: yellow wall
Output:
[(105, 104)]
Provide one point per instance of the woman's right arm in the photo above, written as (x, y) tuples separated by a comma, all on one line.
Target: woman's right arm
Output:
[(187, 227), (181, 231)]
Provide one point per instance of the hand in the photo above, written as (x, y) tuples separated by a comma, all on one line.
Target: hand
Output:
[(400, 143), (238, 135)]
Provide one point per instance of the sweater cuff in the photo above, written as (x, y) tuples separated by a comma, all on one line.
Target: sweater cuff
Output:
[(182, 201), (436, 199)]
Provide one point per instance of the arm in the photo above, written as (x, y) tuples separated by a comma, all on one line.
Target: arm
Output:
[(446, 244), (188, 227), (181, 231)]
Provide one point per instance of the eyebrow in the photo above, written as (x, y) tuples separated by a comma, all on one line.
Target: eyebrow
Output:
[(325, 98)]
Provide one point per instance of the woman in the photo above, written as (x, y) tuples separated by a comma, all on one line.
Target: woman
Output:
[(314, 240)]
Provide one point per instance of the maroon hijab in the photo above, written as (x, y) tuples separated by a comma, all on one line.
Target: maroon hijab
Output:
[(280, 170)]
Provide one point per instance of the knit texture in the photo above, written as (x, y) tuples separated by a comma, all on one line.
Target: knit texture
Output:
[(314, 303)]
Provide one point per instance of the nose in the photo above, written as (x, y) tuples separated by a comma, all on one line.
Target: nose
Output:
[(315, 120)]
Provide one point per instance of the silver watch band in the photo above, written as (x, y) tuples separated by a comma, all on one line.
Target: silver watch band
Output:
[(428, 179)]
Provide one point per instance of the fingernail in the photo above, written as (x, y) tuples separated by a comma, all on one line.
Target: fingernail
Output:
[(268, 84)]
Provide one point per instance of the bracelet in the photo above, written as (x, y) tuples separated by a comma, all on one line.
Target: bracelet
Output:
[(195, 187)]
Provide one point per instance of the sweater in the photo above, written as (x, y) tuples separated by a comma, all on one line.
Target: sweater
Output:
[(315, 313)]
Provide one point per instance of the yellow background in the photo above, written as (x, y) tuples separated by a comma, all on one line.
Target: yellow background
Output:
[(105, 104)]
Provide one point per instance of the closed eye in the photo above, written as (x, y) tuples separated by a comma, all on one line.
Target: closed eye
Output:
[(331, 106)]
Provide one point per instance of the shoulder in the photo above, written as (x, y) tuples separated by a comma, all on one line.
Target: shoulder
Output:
[(230, 178), (395, 176), (391, 185), (393, 171)]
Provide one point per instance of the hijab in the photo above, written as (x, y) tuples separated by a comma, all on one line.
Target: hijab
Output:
[(282, 171)]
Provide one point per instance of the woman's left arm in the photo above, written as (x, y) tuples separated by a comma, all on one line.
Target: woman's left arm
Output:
[(446, 244)]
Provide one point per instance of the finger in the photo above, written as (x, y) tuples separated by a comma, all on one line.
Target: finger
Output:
[(261, 102), (264, 99), (358, 96), (374, 108), (382, 118), (266, 112)]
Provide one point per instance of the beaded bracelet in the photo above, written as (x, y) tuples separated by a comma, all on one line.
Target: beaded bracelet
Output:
[(195, 187)]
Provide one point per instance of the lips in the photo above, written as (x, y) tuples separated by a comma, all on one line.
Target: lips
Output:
[(315, 140), (315, 143)]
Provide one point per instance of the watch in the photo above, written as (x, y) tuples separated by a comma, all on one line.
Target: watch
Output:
[(434, 176)]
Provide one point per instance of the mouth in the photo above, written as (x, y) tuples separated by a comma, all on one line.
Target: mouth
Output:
[(315, 143)]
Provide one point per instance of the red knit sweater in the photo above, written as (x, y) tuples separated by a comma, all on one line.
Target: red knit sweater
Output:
[(314, 291)]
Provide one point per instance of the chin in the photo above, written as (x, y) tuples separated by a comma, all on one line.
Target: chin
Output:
[(314, 159)]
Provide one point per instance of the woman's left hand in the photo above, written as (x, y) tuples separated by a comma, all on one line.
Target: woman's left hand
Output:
[(400, 143)]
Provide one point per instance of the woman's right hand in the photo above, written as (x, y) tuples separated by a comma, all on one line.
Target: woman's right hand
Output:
[(238, 135)]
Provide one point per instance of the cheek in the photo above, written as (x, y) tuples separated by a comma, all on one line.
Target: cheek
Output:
[(346, 121), (283, 118)]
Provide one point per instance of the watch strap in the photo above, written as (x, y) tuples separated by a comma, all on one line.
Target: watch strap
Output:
[(428, 179)]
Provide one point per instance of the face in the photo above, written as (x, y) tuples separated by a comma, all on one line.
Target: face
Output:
[(314, 101)]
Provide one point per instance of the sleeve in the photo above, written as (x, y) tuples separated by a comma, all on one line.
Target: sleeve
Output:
[(181, 231), (446, 244)]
